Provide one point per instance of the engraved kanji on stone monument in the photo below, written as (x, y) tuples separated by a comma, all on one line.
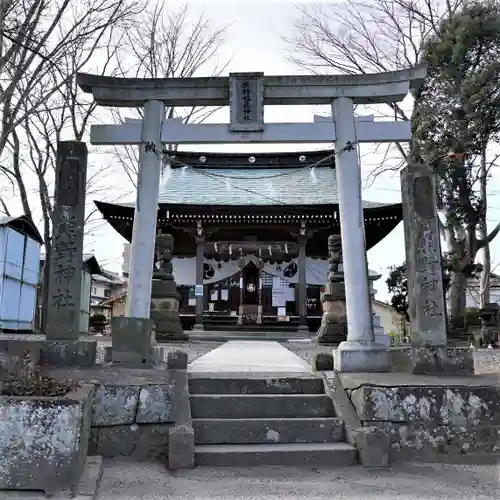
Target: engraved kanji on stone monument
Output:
[(246, 102), (423, 257), (66, 256)]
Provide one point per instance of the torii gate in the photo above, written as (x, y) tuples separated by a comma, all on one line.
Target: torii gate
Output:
[(246, 94)]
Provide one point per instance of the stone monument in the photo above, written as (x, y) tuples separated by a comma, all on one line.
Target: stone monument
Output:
[(62, 326), (164, 295), (428, 353), (333, 329)]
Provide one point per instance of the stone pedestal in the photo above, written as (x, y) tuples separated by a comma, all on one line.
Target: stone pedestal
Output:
[(362, 357), (133, 341), (333, 329), (454, 361), (49, 353), (165, 311)]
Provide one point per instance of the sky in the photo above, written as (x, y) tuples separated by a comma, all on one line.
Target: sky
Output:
[(254, 43)]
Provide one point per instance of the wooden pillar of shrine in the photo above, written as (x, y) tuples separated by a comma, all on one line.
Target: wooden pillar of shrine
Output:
[(199, 289), (302, 284)]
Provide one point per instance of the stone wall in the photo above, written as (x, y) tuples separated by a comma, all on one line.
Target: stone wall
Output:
[(140, 413), (132, 420), (428, 417)]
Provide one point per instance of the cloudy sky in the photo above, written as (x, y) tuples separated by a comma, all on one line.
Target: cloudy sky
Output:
[(254, 42)]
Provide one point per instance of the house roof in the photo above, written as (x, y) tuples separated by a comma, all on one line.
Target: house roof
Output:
[(386, 305), (88, 260), (112, 300), (23, 224), (111, 277)]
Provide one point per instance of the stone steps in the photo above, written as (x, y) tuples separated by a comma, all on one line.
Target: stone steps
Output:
[(268, 430), (270, 385), (266, 420), (232, 406), (244, 455)]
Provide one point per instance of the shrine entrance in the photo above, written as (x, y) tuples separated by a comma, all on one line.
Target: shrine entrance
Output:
[(250, 293), (246, 94), (251, 284)]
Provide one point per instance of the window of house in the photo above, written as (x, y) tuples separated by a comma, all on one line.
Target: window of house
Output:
[(107, 293), (94, 290)]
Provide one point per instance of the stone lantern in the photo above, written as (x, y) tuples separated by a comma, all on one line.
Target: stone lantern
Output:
[(333, 329), (164, 295), (489, 316)]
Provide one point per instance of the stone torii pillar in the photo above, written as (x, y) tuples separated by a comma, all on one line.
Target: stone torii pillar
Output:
[(146, 211), (359, 352)]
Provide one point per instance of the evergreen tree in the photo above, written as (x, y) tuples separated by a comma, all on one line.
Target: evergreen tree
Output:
[(456, 118)]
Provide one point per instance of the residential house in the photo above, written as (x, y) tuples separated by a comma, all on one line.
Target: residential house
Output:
[(390, 320), (473, 291), (116, 305), (105, 286)]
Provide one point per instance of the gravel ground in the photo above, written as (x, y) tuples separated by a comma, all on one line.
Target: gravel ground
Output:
[(485, 360), (412, 482), (151, 481)]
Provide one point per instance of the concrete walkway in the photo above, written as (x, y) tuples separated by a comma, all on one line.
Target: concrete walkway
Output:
[(250, 356)]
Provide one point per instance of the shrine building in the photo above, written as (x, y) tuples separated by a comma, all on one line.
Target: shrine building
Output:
[(250, 235)]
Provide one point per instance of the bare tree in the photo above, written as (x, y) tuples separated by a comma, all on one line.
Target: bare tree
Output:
[(45, 106), (164, 44), (36, 36), (358, 37), (353, 37)]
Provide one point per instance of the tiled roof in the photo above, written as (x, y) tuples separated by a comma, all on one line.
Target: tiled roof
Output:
[(247, 186)]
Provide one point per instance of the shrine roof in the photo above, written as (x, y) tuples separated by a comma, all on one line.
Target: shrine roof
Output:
[(264, 191), (232, 180), (306, 186)]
